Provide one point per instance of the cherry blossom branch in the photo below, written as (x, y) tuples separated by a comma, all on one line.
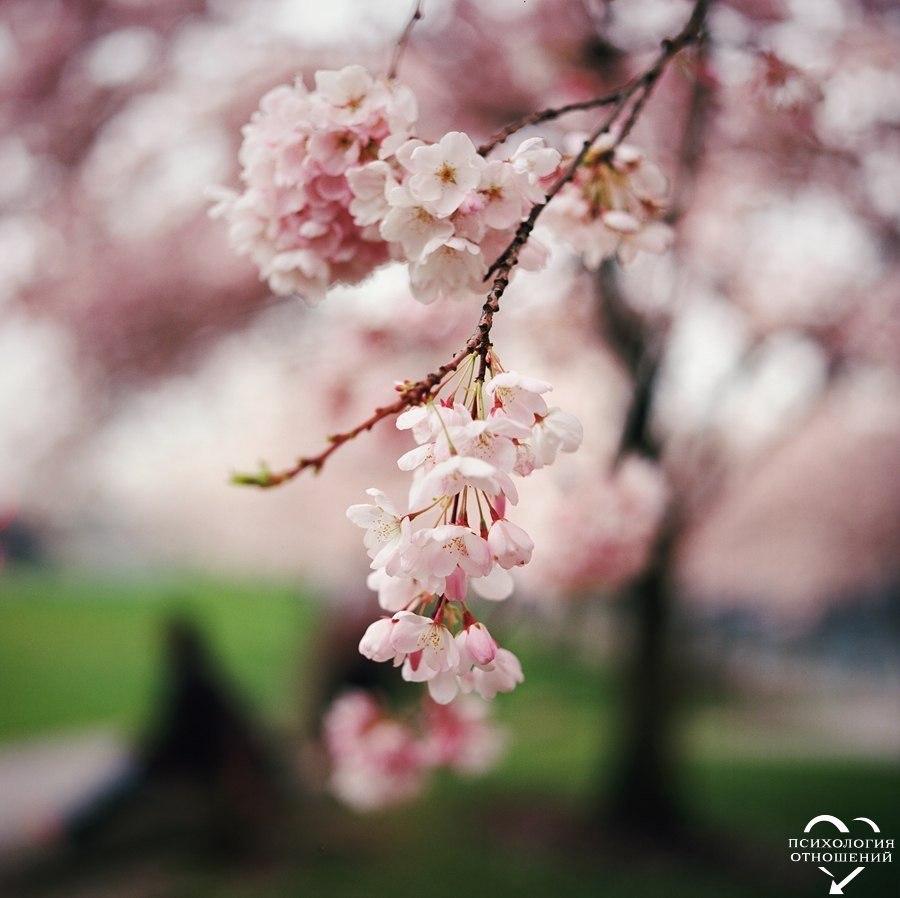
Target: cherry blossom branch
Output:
[(639, 349), (642, 87), (418, 392), (403, 40), (689, 34), (411, 393), (546, 115)]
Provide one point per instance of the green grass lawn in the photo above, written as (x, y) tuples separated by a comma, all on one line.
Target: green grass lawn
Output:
[(85, 651), (80, 651)]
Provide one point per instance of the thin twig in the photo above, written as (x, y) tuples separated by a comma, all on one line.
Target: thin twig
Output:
[(639, 350), (414, 393), (545, 115), (510, 255), (411, 393), (403, 40), (692, 148), (643, 86)]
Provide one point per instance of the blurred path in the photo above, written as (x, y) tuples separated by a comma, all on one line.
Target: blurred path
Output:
[(862, 728), (43, 779)]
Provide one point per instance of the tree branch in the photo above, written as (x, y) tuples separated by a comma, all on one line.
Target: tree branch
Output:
[(403, 40), (419, 392), (637, 349), (545, 115)]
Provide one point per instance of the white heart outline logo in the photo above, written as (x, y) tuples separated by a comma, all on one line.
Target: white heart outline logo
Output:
[(837, 887)]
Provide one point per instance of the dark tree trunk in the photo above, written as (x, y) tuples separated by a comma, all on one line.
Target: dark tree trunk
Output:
[(644, 798)]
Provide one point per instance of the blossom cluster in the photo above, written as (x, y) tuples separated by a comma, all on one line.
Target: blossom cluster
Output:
[(293, 216), (456, 533), (448, 212), (612, 205), (336, 183), (378, 760), (606, 537)]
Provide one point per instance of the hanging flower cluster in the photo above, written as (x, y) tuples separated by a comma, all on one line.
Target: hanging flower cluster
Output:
[(490, 425), (378, 760), (612, 205), (336, 183), (293, 217)]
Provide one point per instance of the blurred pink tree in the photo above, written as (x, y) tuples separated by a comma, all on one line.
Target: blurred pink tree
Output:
[(773, 316)]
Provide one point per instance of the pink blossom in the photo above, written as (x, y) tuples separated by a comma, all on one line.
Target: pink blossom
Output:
[(376, 762), (446, 211), (525, 460), (654, 237), (415, 633), (535, 160), (376, 643), (443, 548), (571, 219), (394, 593), (611, 205), (458, 535), (451, 476), (369, 185), (414, 671), (459, 736), (348, 718), (442, 174), (387, 534), (503, 676), (425, 421), (510, 545), (452, 270), (482, 439), (783, 86), (456, 585), (410, 224), (420, 457), (417, 419), (443, 687), (494, 586), (557, 431), (609, 546), (293, 216), (351, 91), (518, 398), (504, 201), (476, 645)]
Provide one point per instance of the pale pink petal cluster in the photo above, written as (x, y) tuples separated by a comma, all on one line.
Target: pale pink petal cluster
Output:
[(449, 212), (461, 737), (783, 86), (612, 206), (604, 536), (378, 761), (294, 214), (456, 533)]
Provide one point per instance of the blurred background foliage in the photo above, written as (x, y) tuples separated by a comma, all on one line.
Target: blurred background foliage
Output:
[(83, 654), (144, 361)]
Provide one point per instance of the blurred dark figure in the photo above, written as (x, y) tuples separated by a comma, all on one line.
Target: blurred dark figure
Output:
[(202, 778), (20, 543)]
